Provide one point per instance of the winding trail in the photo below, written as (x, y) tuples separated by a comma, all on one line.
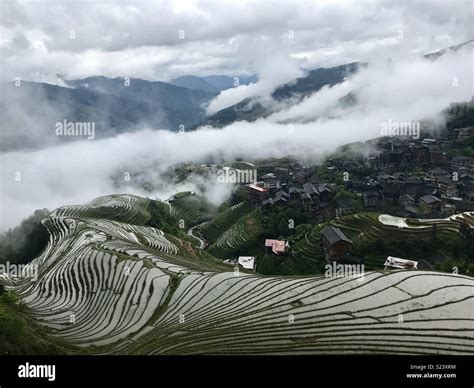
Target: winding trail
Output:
[(202, 242)]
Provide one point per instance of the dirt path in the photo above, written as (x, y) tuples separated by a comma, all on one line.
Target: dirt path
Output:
[(203, 243)]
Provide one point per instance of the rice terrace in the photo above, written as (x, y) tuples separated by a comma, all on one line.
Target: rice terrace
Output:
[(108, 286)]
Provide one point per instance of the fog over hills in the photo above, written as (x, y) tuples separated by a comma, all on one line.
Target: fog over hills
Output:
[(300, 103), (310, 126), (250, 109), (213, 83), (251, 178), (121, 105), (114, 105)]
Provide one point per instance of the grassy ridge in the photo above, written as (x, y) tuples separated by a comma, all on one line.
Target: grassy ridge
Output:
[(192, 209), (19, 335), (223, 221), (239, 236)]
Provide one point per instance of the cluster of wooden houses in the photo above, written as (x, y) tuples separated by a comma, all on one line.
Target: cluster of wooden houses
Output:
[(416, 178), (299, 187), (439, 186)]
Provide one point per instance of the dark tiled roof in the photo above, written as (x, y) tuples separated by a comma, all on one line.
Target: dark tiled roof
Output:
[(429, 199), (398, 175), (413, 179), (384, 176), (309, 188), (446, 180), (322, 188), (334, 235), (315, 179), (281, 193), (467, 176), (437, 171), (410, 209), (294, 190), (469, 193)]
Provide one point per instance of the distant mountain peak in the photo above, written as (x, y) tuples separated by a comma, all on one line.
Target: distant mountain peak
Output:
[(212, 83), (439, 53)]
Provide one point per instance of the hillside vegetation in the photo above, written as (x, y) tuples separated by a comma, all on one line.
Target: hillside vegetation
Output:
[(123, 287)]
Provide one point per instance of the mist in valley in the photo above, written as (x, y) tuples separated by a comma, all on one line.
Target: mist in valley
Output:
[(76, 172), (52, 44)]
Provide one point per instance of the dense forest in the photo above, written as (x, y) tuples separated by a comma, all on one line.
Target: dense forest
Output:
[(26, 241)]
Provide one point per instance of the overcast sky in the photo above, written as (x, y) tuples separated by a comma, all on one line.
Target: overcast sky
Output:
[(39, 39)]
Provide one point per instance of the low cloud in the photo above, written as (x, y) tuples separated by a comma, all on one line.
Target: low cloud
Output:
[(273, 71), (77, 172)]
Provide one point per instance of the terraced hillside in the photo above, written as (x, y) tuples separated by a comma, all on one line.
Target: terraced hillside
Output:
[(108, 286), (307, 244), (191, 208), (237, 237), (373, 226), (306, 256), (404, 237), (224, 221)]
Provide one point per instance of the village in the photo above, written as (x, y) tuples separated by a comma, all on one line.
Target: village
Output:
[(416, 179), (403, 177)]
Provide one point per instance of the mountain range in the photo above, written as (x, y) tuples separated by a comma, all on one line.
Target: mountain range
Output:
[(213, 83), (118, 105), (113, 106), (251, 109)]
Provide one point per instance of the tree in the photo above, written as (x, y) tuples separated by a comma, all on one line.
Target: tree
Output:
[(464, 229), (26, 241), (379, 246), (266, 265)]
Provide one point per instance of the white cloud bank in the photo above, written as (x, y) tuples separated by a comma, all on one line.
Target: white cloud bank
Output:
[(274, 71), (77, 172)]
